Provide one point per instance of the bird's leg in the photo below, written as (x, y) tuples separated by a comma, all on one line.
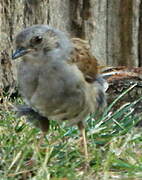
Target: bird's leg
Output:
[(32, 161), (41, 140), (44, 126), (82, 130)]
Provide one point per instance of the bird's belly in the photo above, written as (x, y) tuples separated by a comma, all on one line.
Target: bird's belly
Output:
[(61, 95), (58, 101)]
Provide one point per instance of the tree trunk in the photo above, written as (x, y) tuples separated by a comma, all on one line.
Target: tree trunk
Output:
[(113, 28)]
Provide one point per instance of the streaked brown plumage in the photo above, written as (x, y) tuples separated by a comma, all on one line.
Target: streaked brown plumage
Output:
[(119, 78), (83, 58)]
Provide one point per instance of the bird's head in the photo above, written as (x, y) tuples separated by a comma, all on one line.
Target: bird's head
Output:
[(43, 41)]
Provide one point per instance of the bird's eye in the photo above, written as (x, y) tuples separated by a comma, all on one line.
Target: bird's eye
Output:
[(36, 40)]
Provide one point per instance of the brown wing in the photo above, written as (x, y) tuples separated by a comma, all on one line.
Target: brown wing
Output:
[(83, 58)]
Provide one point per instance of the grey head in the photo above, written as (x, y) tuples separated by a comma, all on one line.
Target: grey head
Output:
[(40, 41)]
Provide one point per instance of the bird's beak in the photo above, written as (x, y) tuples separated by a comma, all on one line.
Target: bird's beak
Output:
[(20, 52)]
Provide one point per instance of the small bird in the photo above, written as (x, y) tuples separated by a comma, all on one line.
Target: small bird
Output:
[(58, 78)]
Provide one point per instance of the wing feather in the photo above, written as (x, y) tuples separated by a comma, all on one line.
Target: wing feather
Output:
[(83, 58)]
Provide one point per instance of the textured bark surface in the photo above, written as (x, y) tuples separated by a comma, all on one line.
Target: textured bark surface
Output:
[(113, 28), (140, 34), (122, 22)]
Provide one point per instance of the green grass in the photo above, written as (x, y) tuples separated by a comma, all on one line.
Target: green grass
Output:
[(114, 144)]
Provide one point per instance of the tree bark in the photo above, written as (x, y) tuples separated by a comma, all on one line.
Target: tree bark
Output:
[(140, 35), (113, 28)]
